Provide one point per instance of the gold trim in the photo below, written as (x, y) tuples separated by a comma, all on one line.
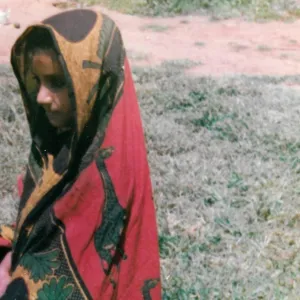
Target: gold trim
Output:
[(119, 91), (33, 177), (111, 40), (49, 179)]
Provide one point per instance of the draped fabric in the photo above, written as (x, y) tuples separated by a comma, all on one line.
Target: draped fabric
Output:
[(86, 225)]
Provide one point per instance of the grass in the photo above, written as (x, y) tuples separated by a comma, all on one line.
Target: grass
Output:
[(124, 6), (225, 162), (224, 159), (155, 28), (12, 118), (285, 10)]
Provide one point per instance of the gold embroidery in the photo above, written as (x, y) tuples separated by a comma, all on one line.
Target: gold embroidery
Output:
[(49, 179)]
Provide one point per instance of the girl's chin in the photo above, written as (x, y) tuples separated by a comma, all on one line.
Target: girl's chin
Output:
[(55, 120), (59, 120)]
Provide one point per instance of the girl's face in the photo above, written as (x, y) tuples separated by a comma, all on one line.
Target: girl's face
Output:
[(52, 89)]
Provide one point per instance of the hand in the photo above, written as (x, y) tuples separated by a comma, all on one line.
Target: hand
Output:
[(4, 273)]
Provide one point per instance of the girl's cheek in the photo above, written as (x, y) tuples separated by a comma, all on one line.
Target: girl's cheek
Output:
[(65, 103), (56, 103)]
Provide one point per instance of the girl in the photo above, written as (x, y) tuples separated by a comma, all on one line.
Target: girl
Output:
[(86, 226)]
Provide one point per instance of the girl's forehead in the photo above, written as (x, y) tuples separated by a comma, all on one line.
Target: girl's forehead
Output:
[(45, 63)]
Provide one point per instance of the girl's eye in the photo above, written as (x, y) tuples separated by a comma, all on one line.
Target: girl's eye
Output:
[(52, 82), (57, 83), (36, 79)]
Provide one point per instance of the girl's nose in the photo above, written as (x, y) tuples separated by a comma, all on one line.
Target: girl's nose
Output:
[(44, 97)]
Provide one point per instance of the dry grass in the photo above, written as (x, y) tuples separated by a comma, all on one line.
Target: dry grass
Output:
[(224, 159), (238, 47), (15, 143), (224, 155), (199, 44), (155, 28)]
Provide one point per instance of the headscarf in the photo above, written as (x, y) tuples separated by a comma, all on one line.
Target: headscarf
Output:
[(86, 226)]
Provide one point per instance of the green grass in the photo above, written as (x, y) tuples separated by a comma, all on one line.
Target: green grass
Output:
[(223, 155), (125, 6), (285, 10), (225, 161)]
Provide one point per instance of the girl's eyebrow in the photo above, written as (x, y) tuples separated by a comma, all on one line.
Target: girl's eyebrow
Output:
[(50, 76), (54, 76)]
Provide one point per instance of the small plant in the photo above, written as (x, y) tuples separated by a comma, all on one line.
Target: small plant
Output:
[(293, 41), (238, 47), (236, 181), (155, 28), (264, 48), (200, 44), (211, 118), (284, 56), (184, 21)]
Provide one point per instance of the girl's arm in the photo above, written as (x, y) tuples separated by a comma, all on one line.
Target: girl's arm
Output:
[(7, 231), (4, 273)]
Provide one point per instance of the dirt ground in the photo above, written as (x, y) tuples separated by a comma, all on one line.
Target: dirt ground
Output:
[(222, 48)]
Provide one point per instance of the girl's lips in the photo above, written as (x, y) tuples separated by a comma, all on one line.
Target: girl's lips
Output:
[(54, 117)]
